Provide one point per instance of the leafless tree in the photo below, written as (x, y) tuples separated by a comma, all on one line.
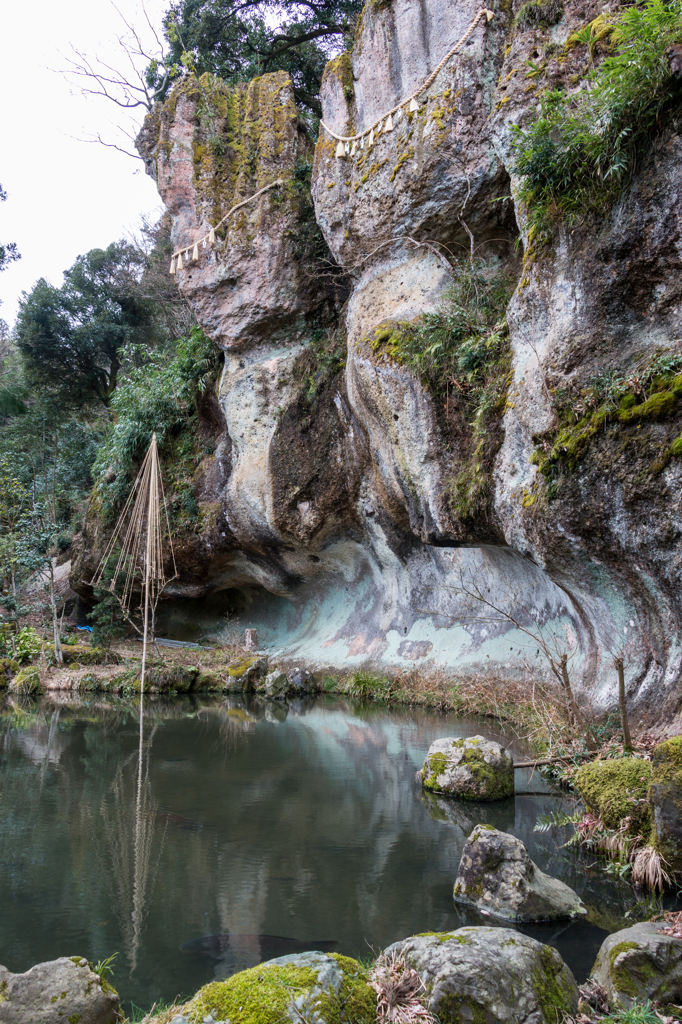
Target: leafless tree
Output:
[(479, 606)]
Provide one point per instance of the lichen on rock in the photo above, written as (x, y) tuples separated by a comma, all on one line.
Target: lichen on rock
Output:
[(639, 964), (496, 875), (470, 974), (470, 769)]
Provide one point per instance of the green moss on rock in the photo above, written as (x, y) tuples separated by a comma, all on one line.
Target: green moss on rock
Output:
[(27, 681), (552, 988), (613, 788), (266, 994)]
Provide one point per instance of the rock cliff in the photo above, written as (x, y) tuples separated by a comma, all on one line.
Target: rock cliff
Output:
[(354, 501)]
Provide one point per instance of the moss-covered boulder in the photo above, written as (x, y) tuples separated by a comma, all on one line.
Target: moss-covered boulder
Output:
[(640, 963), (617, 789), (27, 681), (209, 682), (8, 668), (492, 975), (85, 655), (244, 673), (319, 987), (665, 798), (496, 875), (471, 769)]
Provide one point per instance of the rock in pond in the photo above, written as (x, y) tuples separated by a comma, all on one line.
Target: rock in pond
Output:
[(57, 991), (245, 673), (497, 875), (640, 963), (471, 769), (495, 975), (665, 798), (318, 987), (275, 685)]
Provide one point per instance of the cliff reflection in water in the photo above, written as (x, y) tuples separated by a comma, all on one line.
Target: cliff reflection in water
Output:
[(249, 827)]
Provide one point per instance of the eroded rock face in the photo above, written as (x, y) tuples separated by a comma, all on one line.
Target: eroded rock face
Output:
[(328, 503), (55, 991), (640, 963), (469, 975), (472, 769), (208, 147), (497, 875)]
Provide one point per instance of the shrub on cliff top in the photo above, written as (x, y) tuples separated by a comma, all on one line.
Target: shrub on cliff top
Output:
[(579, 149)]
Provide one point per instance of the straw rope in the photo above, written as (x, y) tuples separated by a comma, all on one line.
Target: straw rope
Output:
[(210, 235), (483, 13)]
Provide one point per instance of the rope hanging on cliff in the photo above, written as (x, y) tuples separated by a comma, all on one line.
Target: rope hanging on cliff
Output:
[(344, 147), (209, 238), (138, 536)]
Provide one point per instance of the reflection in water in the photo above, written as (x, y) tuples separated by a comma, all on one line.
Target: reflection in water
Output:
[(129, 818), (225, 831)]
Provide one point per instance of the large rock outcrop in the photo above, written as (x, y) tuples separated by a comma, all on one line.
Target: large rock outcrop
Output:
[(348, 504)]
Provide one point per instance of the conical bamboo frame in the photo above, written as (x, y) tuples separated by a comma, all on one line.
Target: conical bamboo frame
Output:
[(139, 532)]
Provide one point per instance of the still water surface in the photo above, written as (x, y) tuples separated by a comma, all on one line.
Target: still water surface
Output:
[(303, 824)]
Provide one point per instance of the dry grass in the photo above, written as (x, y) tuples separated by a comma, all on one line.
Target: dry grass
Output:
[(398, 988)]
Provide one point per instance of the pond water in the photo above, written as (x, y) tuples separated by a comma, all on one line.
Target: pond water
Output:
[(250, 831)]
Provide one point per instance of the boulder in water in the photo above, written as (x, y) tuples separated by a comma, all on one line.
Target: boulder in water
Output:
[(490, 974), (497, 875), (472, 769)]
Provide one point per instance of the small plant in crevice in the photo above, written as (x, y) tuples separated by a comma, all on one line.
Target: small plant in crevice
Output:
[(578, 152), (461, 353)]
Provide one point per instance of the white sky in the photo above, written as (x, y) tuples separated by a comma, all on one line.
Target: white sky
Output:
[(64, 196)]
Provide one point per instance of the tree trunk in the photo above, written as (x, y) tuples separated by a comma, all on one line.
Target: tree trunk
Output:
[(627, 742), (58, 653), (574, 707)]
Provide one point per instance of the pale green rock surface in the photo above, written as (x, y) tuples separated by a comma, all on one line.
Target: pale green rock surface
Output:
[(497, 875), (471, 769)]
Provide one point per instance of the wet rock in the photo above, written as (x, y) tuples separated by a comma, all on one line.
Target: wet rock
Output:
[(497, 875), (665, 798), (300, 681), (245, 673), (640, 963), (275, 685), (470, 975), (57, 991), (471, 769), (302, 986)]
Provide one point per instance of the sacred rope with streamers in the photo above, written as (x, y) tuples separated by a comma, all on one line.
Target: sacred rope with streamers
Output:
[(139, 534), (344, 149), (209, 239)]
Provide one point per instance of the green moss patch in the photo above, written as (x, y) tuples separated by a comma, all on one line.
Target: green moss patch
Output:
[(266, 994), (552, 990), (613, 788)]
